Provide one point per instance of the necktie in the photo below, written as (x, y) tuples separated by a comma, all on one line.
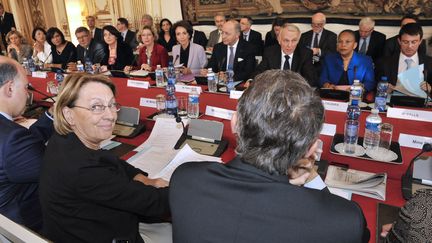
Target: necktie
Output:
[(124, 36), (409, 62), (231, 57), (245, 37), (315, 44), (91, 33), (363, 47), (220, 37), (286, 65), (1, 19)]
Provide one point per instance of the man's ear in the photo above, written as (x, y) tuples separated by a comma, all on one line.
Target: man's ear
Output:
[(312, 149), (8, 88), (234, 123)]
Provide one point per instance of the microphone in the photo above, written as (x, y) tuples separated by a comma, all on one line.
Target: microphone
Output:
[(46, 59), (220, 67), (180, 120), (406, 179), (176, 58), (30, 87)]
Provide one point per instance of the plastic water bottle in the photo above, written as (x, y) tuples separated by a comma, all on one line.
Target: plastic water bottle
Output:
[(193, 104), (372, 130), (381, 95), (171, 100), (171, 70), (89, 66), (159, 75), (59, 76), (211, 81), (356, 93), (230, 79), (351, 129), (31, 65), (25, 65), (80, 66)]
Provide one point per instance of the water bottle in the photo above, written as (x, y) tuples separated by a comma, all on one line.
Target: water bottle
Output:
[(351, 129), (171, 101), (171, 70), (211, 81), (89, 66), (59, 76), (80, 66), (381, 95), (356, 93), (25, 65), (193, 104), (31, 65), (159, 75), (372, 130), (230, 79)]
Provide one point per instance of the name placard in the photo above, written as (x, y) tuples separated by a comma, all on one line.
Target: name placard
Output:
[(219, 112), (39, 74), (409, 114), (335, 106), (235, 94), (413, 141), (148, 102), (328, 129), (187, 88), (138, 84)]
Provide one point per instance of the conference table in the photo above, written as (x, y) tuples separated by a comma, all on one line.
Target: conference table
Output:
[(130, 96)]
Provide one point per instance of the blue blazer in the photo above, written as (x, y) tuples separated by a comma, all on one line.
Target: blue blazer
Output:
[(21, 152), (332, 70)]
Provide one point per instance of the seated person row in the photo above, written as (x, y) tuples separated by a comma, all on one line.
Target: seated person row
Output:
[(288, 55), (232, 51), (118, 53), (89, 48), (88, 194), (410, 39), (270, 191), (18, 48), (63, 52), (346, 65)]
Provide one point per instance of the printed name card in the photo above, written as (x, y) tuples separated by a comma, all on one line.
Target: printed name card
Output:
[(335, 106), (328, 129), (409, 114), (39, 74), (187, 89), (148, 102), (138, 84), (235, 94), (413, 141), (219, 112)]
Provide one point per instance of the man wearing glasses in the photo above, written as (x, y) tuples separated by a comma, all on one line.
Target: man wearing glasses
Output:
[(370, 42), (410, 38), (88, 48)]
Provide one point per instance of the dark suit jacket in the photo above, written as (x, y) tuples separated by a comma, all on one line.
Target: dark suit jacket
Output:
[(255, 38), (200, 38), (270, 39), (376, 44), (392, 47), (6, 26), (131, 39), (125, 56), (301, 63), (21, 152), (236, 202), (389, 66), (167, 45), (332, 69), (327, 42), (90, 195), (98, 35), (244, 60), (96, 52)]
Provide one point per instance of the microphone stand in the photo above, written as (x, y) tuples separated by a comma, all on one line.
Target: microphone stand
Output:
[(30, 87)]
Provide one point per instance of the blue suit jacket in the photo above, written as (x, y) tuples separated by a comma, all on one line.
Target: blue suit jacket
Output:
[(21, 152), (332, 70)]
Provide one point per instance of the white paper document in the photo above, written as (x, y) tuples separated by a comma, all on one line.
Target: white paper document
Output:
[(165, 134), (411, 79)]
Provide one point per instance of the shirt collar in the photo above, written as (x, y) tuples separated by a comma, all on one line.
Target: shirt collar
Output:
[(6, 115), (235, 44), (413, 57), (246, 33), (290, 55)]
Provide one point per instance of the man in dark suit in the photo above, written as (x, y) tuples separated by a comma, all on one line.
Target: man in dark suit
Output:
[(392, 47), (270, 191), (299, 59), (250, 35), (95, 32), (216, 35), (21, 149), (7, 23), (410, 37), (370, 42), (233, 51), (198, 37), (88, 48), (129, 36)]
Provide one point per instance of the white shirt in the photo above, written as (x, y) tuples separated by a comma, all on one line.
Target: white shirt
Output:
[(313, 38), (283, 59), (124, 34), (403, 65), (46, 55), (247, 35), (228, 52), (367, 39), (6, 115)]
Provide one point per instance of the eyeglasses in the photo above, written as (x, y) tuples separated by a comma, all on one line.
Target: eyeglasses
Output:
[(99, 109)]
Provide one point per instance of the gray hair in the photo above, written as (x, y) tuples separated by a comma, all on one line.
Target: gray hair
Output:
[(279, 118), (8, 72), (291, 27), (367, 21)]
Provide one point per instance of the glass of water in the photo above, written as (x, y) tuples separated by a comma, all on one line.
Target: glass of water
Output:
[(160, 103), (386, 135)]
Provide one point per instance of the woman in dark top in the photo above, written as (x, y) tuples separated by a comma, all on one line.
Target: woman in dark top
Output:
[(62, 51), (272, 35), (166, 35), (120, 54)]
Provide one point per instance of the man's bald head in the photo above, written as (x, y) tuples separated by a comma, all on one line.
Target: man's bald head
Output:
[(318, 22)]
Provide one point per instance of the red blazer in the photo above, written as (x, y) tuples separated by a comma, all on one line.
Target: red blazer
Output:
[(159, 56)]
